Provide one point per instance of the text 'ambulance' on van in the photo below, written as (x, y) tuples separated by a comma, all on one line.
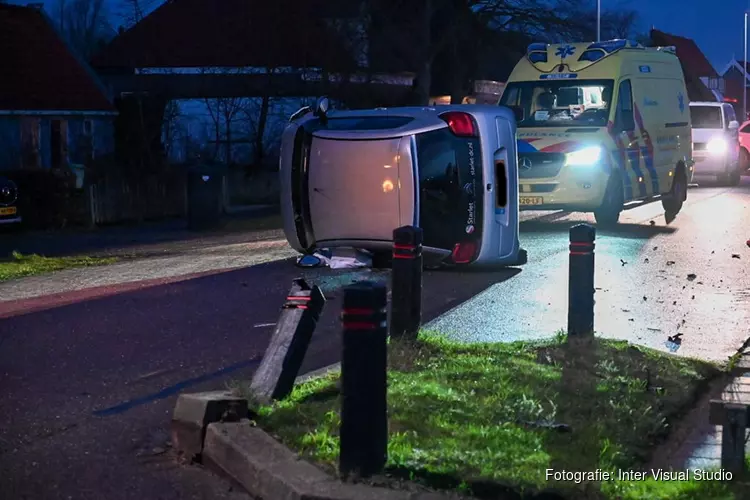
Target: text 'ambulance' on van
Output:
[(600, 125)]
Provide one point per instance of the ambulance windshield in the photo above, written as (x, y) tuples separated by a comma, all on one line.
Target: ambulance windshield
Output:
[(562, 103)]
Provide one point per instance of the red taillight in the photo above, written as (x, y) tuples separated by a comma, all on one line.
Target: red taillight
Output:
[(463, 253), (461, 124), (730, 99)]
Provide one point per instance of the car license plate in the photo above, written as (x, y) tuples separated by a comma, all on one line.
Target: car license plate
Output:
[(7, 210), (531, 200)]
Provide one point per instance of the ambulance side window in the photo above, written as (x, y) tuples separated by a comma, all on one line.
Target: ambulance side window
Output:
[(624, 118)]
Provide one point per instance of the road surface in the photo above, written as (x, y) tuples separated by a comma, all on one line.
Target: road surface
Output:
[(643, 291), (88, 387)]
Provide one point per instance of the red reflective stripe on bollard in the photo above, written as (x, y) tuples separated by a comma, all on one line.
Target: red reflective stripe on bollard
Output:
[(359, 326), (357, 311), (581, 253), (580, 244), (399, 256), (299, 298)]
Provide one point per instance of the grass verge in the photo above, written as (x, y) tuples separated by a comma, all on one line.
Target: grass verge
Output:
[(487, 419), (20, 265)]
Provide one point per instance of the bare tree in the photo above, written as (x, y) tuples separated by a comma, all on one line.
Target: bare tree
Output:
[(84, 23), (413, 33)]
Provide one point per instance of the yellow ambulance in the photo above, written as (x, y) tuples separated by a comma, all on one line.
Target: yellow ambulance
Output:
[(600, 126)]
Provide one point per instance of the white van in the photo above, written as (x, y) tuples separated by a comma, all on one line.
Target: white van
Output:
[(349, 178), (716, 144)]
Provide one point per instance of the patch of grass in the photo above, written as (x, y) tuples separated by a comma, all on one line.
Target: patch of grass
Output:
[(20, 265), (485, 418)]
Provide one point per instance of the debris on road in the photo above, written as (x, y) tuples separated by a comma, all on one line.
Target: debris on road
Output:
[(748, 243), (674, 303), (674, 342), (652, 223), (735, 256), (646, 260), (670, 263), (693, 297), (654, 329), (645, 298), (623, 262), (691, 276), (655, 248), (626, 310)]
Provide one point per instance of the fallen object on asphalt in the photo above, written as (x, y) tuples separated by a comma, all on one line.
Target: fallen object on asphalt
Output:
[(342, 258)]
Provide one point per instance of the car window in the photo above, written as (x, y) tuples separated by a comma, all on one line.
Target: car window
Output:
[(445, 175), (731, 116), (706, 117), (624, 119), (745, 129)]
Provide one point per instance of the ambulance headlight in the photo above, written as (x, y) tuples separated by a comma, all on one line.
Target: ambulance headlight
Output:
[(585, 157), (717, 146)]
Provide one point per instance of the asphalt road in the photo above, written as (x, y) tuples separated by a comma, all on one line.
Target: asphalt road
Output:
[(87, 388), (643, 291)]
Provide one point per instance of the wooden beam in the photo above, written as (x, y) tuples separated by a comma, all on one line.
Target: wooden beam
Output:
[(198, 86)]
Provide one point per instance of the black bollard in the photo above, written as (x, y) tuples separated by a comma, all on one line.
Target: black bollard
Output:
[(274, 378), (581, 281), (364, 411), (406, 282)]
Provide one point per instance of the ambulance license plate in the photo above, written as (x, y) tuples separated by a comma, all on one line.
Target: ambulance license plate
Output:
[(7, 210), (531, 200)]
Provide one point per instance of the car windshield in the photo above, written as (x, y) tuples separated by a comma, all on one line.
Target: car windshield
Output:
[(706, 117), (564, 103)]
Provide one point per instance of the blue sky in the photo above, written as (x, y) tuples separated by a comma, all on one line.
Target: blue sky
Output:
[(717, 30)]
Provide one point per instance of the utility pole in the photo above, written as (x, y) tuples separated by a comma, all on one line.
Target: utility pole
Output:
[(599, 20), (744, 76)]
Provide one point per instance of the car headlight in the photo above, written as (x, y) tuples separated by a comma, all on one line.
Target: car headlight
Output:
[(717, 146), (584, 157)]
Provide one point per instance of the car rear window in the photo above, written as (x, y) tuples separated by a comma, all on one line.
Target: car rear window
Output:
[(367, 123), (706, 117), (450, 180)]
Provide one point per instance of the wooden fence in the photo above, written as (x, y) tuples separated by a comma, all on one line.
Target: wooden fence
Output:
[(113, 198)]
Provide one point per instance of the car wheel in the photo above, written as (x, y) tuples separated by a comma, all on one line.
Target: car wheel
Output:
[(608, 214), (744, 160), (673, 202), (735, 177)]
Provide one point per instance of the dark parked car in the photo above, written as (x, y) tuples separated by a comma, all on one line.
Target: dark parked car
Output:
[(8, 202)]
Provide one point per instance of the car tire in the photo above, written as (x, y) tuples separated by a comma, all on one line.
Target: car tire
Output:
[(744, 160), (673, 202), (735, 177), (608, 214)]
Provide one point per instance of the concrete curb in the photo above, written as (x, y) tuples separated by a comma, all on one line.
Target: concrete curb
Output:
[(214, 428), (317, 373), (270, 471)]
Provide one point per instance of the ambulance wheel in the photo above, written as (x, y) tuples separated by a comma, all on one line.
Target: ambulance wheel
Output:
[(609, 212), (672, 203)]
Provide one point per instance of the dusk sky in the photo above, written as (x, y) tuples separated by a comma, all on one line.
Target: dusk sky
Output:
[(717, 26)]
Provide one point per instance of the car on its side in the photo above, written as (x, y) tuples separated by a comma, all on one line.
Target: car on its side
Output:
[(349, 178)]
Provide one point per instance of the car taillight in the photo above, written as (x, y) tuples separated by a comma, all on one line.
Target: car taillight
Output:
[(463, 253), (461, 124)]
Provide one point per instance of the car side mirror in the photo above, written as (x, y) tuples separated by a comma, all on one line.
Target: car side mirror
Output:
[(734, 125)]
